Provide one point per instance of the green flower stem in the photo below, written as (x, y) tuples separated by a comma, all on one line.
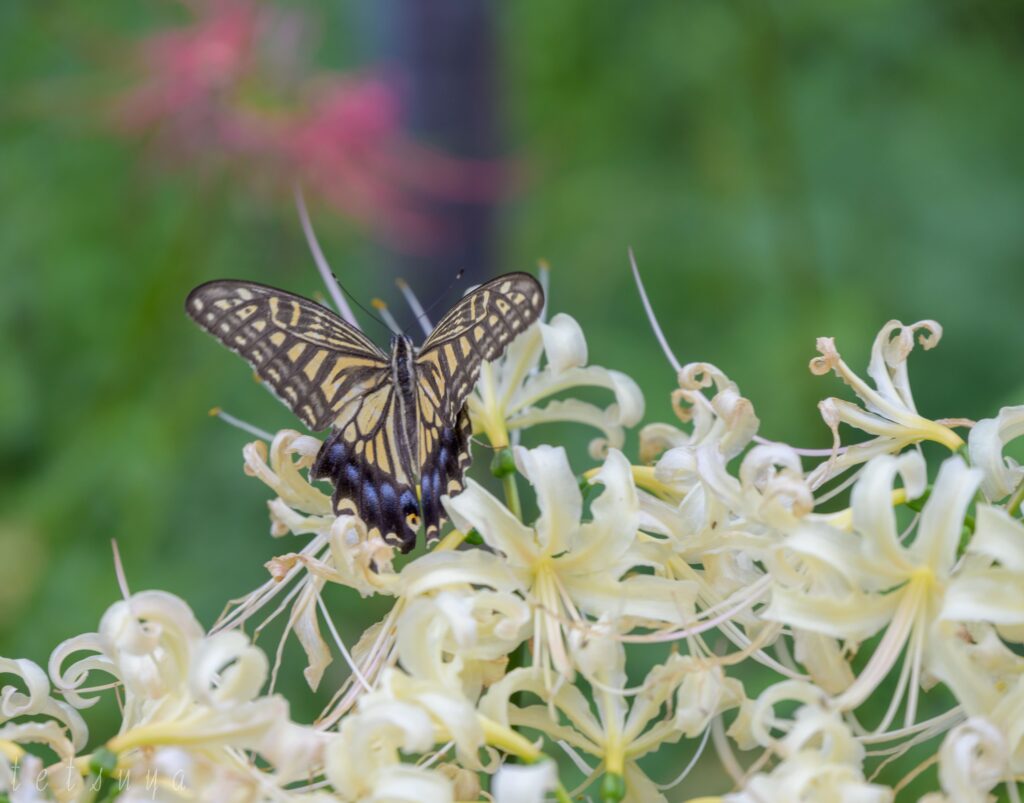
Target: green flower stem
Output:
[(1014, 504), (508, 482)]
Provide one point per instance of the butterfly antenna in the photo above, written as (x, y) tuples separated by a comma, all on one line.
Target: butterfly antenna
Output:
[(356, 302), (417, 309)]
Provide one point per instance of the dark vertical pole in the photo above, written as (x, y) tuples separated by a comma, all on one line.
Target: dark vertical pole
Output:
[(443, 55)]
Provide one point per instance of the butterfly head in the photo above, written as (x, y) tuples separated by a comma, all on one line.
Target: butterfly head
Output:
[(402, 345)]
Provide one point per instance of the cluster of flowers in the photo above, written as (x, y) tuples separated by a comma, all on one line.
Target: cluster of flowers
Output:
[(506, 644), (228, 91)]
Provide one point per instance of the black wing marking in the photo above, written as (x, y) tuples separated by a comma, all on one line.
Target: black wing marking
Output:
[(442, 469), (385, 502), (311, 359)]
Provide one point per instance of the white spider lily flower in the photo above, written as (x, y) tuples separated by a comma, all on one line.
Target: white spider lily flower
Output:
[(183, 688), (821, 761), (614, 731), (566, 568), (984, 675), (988, 438), (339, 552), (726, 419), (29, 714), (524, 783), (453, 715), (972, 760), (984, 591), (692, 474), (24, 779), (857, 583), (461, 640), (364, 762), (889, 412), (510, 388), (706, 515)]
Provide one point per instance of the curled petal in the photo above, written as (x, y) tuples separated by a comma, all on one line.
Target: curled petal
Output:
[(629, 399), (518, 783), (305, 621), (873, 514), (564, 344), (150, 637), (77, 675), (972, 759), (986, 443), (479, 509), (851, 616), (888, 366), (63, 728), (989, 595), (607, 420), (227, 670), (999, 536), (616, 518), (943, 516), (282, 474), (558, 495)]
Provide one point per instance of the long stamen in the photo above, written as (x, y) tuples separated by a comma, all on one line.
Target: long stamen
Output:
[(238, 423), (693, 763), (386, 315), (321, 262), (341, 644), (122, 580), (658, 333), (544, 277), (804, 452), (415, 306)]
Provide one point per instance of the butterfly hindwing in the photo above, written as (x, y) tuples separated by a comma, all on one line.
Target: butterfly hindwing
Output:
[(311, 359), (445, 460), (388, 506)]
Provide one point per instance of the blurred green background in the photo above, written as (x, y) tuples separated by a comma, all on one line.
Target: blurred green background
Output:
[(783, 170)]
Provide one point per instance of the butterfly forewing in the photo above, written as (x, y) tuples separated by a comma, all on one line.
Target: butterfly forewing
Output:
[(311, 359), (477, 328)]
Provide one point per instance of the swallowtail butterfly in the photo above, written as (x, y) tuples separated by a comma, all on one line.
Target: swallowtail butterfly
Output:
[(399, 428)]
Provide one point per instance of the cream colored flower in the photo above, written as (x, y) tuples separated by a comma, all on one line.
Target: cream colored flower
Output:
[(566, 568), (365, 762), (857, 583), (340, 550), (510, 389), (612, 730), (889, 412), (988, 438), (524, 783), (30, 715), (990, 587), (191, 691), (461, 639), (972, 760), (821, 761)]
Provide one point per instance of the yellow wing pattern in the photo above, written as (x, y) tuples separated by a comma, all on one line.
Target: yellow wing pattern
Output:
[(309, 358)]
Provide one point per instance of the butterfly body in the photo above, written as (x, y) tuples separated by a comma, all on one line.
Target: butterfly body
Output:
[(400, 431)]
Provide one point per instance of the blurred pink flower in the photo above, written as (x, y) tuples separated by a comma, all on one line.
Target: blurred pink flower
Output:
[(227, 92)]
